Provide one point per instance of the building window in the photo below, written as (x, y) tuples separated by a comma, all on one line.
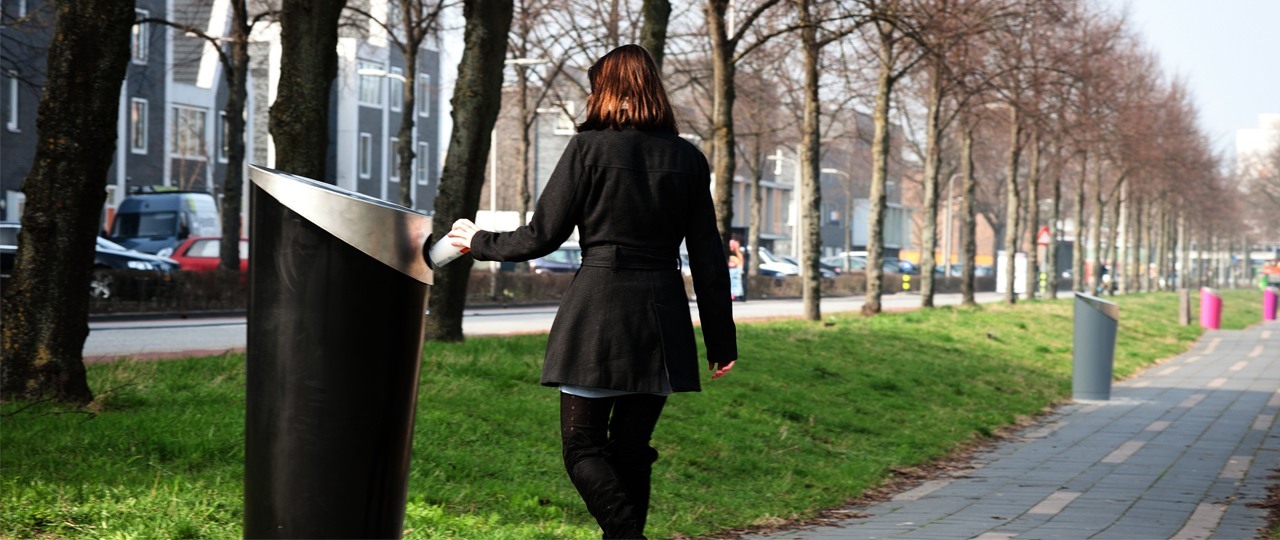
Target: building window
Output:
[(139, 39), (423, 96), (11, 122), (564, 120), (396, 80), (366, 155), (421, 163), (371, 75), (189, 132), (224, 144), (138, 125), (393, 159)]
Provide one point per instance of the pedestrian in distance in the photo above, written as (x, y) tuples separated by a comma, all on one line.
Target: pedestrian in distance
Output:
[(622, 340)]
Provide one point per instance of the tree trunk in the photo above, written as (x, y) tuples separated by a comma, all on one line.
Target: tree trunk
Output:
[(46, 309), (299, 121), (1078, 252), (968, 211), (757, 209), (932, 159), (1113, 241), (476, 99), (237, 96), (810, 191), (1033, 216), (653, 32), (1141, 234), (1124, 256), (1184, 253), (1095, 232), (879, 178), (723, 94), (1051, 251), (1011, 205), (522, 171)]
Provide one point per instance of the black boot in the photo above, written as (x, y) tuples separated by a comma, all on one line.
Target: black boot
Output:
[(584, 435)]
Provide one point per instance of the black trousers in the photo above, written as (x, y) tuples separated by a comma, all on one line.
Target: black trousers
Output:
[(607, 454)]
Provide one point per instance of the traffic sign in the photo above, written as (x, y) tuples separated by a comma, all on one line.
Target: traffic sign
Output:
[(1042, 237)]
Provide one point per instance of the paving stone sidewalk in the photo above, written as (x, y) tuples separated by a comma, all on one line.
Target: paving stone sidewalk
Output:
[(1180, 451)]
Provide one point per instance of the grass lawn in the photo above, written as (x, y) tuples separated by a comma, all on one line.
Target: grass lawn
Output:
[(814, 414)]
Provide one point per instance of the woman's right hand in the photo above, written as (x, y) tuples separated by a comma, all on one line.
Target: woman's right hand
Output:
[(462, 232)]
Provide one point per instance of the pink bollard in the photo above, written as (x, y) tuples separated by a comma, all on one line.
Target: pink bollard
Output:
[(1210, 309), (1269, 300)]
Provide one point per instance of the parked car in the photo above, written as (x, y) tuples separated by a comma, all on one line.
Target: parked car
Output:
[(109, 262), (858, 263), (827, 271), (901, 266), (202, 253), (774, 265), (565, 260), (158, 222)]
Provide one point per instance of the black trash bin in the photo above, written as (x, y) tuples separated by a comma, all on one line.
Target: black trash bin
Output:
[(338, 288)]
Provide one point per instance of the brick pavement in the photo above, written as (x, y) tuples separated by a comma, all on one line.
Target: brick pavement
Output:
[(1180, 451)]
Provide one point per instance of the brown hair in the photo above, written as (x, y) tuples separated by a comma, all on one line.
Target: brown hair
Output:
[(627, 91)]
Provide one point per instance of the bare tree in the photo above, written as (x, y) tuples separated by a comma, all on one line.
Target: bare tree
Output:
[(410, 24), (475, 109), (46, 311)]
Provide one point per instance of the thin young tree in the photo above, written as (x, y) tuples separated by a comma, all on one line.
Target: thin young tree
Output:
[(724, 59), (233, 54), (46, 308), (408, 24), (947, 30)]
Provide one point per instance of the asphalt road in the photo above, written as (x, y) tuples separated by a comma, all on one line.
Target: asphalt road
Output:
[(167, 338)]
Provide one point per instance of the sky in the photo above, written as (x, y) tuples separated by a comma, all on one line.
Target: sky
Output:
[(1227, 51)]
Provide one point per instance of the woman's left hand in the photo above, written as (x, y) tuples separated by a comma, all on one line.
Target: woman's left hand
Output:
[(723, 368), (462, 232)]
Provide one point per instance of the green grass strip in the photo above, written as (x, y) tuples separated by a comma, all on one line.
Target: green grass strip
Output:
[(814, 414)]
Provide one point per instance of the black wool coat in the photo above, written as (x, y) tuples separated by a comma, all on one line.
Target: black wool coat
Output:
[(624, 323)]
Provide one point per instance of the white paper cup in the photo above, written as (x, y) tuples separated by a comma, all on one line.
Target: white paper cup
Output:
[(444, 252)]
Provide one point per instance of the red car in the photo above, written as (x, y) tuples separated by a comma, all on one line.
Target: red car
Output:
[(200, 254)]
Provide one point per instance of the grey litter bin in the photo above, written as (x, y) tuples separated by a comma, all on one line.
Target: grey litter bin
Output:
[(1093, 347), (337, 293)]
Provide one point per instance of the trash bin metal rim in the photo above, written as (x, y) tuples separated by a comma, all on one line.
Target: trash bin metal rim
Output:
[(1107, 308), (390, 233)]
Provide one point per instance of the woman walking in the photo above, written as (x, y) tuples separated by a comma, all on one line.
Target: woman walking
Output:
[(622, 340)]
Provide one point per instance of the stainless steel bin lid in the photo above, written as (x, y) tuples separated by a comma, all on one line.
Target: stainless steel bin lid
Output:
[(388, 232)]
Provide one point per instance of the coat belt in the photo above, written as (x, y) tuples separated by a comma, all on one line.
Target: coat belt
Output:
[(629, 258)]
